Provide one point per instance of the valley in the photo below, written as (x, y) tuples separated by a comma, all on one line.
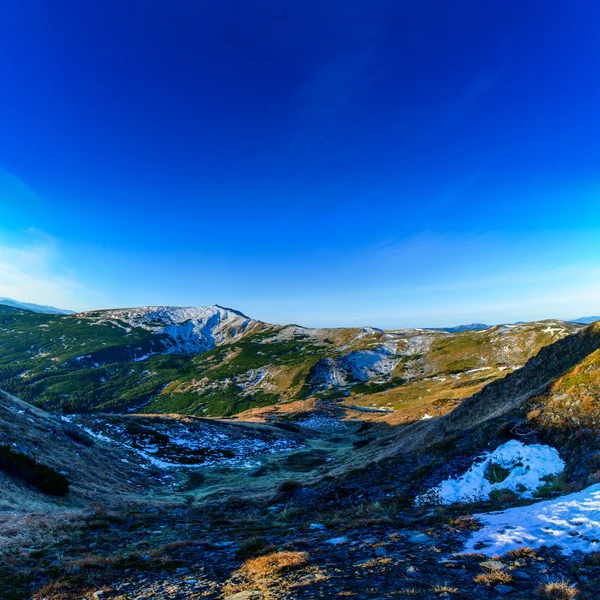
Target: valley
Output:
[(209, 455)]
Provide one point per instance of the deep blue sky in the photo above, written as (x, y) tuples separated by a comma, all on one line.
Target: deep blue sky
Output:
[(339, 162)]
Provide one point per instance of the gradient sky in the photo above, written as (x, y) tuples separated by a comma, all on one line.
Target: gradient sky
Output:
[(324, 162)]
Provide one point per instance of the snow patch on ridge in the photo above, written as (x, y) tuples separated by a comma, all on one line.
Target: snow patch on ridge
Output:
[(526, 466), (189, 330), (361, 365)]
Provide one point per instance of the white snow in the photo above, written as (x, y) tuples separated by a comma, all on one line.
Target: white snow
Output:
[(527, 466), (571, 522)]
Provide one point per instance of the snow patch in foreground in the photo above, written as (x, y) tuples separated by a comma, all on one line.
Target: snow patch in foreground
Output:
[(526, 466), (571, 522)]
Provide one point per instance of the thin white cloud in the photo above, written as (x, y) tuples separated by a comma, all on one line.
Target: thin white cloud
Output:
[(31, 270)]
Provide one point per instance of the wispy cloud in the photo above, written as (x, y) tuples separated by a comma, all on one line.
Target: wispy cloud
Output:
[(32, 270)]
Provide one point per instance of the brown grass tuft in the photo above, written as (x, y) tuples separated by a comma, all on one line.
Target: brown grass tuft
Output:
[(88, 562), (556, 590), (494, 577), (272, 564), (444, 589), (525, 552), (466, 523)]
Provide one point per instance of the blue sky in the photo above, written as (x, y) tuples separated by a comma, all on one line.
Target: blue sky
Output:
[(325, 162)]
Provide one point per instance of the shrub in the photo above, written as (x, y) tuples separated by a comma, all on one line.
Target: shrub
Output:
[(553, 485), (288, 487), (503, 496), (254, 547), (593, 559), (496, 473), (195, 480), (29, 471), (464, 523), (78, 436)]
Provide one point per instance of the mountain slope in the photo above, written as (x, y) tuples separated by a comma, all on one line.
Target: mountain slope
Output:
[(559, 365), (39, 308)]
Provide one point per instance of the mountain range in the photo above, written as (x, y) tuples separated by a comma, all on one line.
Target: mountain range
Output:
[(586, 320), (216, 361), (39, 308)]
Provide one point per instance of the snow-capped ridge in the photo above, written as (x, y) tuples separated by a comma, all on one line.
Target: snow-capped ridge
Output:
[(189, 329)]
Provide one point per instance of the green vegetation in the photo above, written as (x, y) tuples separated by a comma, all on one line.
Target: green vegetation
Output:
[(32, 473), (496, 473), (373, 388)]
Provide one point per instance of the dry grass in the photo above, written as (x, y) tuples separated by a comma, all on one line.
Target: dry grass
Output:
[(272, 564), (466, 523), (88, 562), (264, 572), (444, 589), (556, 590), (19, 533), (493, 577), (525, 552)]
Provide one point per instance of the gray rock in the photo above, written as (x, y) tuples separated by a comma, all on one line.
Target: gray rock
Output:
[(317, 527), (99, 594), (504, 590), (418, 537), (521, 575), (337, 541), (380, 551), (493, 565)]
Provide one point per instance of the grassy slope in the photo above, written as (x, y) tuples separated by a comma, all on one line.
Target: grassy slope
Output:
[(509, 395), (457, 367)]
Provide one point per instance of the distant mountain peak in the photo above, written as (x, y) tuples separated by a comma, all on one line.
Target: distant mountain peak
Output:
[(463, 328), (38, 308), (585, 320)]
